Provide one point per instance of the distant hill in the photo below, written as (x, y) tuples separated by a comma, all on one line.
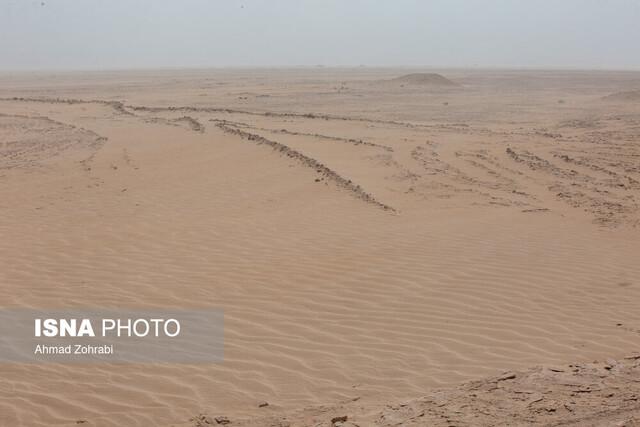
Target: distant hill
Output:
[(424, 79)]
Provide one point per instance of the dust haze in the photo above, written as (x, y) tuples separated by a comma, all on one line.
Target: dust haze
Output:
[(99, 34), (446, 235)]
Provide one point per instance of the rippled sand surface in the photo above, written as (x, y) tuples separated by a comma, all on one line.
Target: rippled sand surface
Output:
[(366, 237)]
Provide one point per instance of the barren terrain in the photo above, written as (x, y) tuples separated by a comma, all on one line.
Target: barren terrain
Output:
[(369, 241)]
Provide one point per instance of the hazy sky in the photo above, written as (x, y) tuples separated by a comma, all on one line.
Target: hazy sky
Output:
[(88, 34)]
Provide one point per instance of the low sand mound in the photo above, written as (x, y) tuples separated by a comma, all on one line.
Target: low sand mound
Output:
[(424, 79), (584, 394), (628, 96), (29, 141)]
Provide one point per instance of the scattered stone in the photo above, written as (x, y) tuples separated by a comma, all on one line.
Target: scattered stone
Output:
[(263, 404), (536, 398), (610, 364), (335, 421), (202, 420), (506, 376)]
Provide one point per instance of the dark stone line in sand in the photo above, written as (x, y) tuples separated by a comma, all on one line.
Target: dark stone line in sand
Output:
[(313, 135), (189, 121), (327, 137), (194, 124), (118, 106), (126, 109), (122, 108), (310, 162)]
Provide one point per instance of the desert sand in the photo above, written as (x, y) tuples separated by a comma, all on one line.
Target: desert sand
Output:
[(369, 241)]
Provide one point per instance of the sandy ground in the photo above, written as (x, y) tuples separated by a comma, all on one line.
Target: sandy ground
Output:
[(597, 394), (368, 239)]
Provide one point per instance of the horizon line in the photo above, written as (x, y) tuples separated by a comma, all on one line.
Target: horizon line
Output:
[(323, 67)]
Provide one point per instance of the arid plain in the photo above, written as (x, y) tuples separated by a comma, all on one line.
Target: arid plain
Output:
[(370, 238)]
